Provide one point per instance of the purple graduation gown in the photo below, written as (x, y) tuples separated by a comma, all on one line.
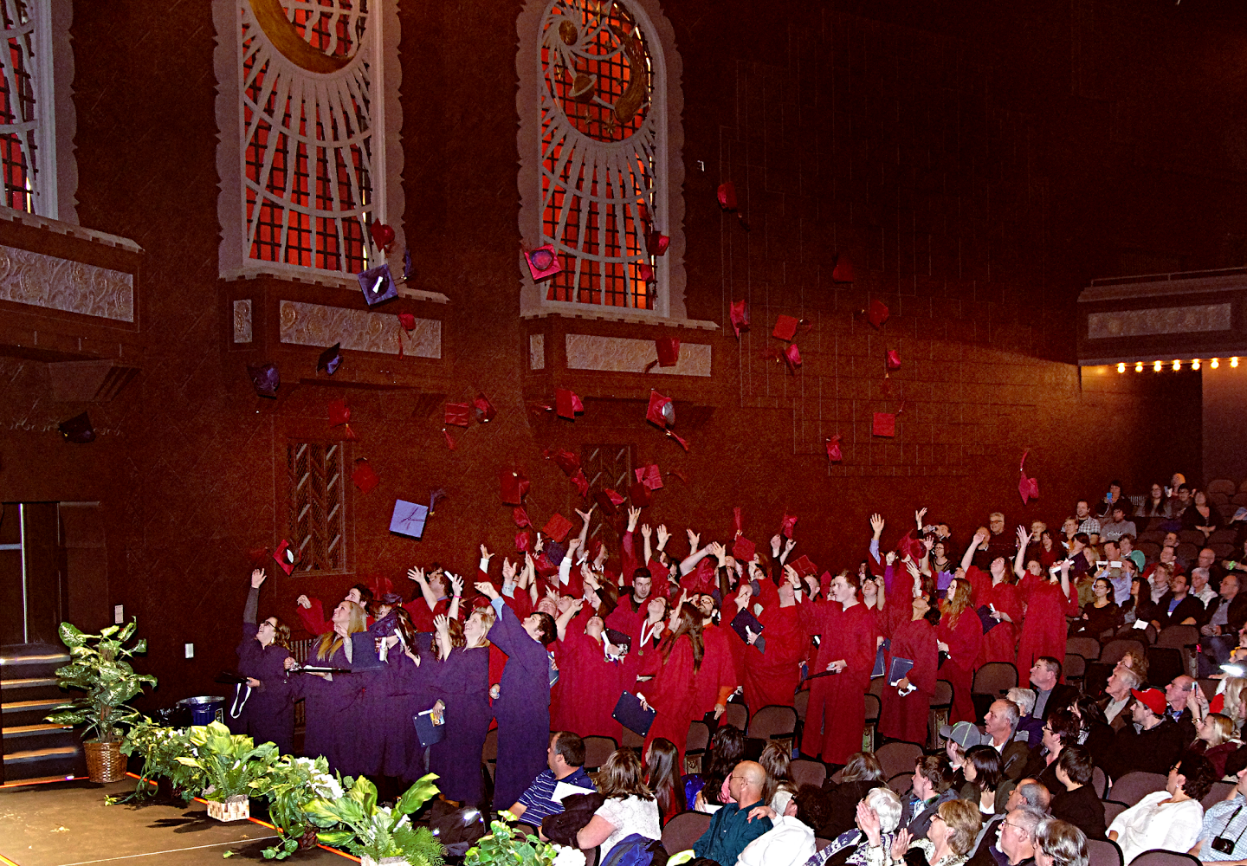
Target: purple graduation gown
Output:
[(268, 715), (522, 708), (333, 715), (461, 682)]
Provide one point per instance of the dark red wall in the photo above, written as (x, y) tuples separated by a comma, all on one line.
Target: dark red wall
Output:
[(978, 161)]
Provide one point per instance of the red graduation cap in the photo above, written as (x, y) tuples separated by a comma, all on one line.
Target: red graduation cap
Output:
[(284, 556), (911, 547), (382, 234), (788, 524), (744, 549), (884, 424), (565, 460), (457, 414), (557, 527), (523, 541), (582, 483), (892, 359), (738, 520), (364, 477), (483, 409), (567, 404), (1027, 487), (843, 270), (727, 196), (739, 315), (650, 476), (668, 351), (646, 272), (609, 500), (671, 434), (514, 485), (877, 313), (792, 355), (543, 262), (656, 243), (661, 410), (834, 454), (520, 516), (785, 327), (339, 412), (408, 321), (803, 566), (640, 495), (701, 580)]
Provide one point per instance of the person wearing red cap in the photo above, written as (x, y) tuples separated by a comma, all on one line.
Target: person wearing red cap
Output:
[(836, 714), (1154, 746)]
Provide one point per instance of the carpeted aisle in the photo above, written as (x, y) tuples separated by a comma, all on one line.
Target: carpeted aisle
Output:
[(68, 824)]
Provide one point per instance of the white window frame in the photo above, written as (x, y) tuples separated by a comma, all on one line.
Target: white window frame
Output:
[(380, 51), (666, 107)]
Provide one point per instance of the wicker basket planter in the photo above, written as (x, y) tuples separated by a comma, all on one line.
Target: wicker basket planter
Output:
[(105, 763), (236, 808)]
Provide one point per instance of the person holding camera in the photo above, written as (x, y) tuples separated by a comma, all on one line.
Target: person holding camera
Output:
[(1221, 837)]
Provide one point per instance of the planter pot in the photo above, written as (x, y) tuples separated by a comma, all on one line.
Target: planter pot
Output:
[(105, 763), (384, 861), (236, 808)]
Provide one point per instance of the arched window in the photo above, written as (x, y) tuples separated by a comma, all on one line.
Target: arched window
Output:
[(601, 171), (309, 119)]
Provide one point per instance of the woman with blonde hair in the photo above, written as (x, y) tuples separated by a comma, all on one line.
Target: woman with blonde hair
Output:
[(1215, 739), (960, 636), (459, 683), (630, 807), (331, 699), (952, 833)]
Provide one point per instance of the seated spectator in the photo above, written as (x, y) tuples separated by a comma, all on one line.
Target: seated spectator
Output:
[(953, 831), (630, 808), (1182, 705), (1117, 696), (983, 780), (1201, 589), (776, 761), (1171, 819), (1102, 615), (1027, 723), (1078, 803), (790, 839), (1059, 731), (1028, 793), (1221, 836), (1000, 724), (727, 747), (1058, 843), (1118, 526), (1224, 618), (730, 829), (861, 775), (1216, 741), (565, 760), (662, 777), (877, 818), (1154, 746), (931, 789), (1177, 606), (1050, 693), (1093, 731), (1018, 835)]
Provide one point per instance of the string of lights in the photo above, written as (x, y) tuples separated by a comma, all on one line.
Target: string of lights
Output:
[(1176, 364)]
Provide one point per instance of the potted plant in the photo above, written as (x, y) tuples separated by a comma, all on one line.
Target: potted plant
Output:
[(379, 834), (293, 784), (502, 846), (160, 747), (234, 768), (99, 668)]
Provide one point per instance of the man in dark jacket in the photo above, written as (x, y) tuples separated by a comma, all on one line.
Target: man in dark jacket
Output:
[(1223, 620), (1177, 606), (1151, 744), (1050, 693), (932, 787)]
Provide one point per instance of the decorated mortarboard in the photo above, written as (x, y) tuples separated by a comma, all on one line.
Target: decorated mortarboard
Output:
[(543, 262), (483, 409), (382, 234), (378, 284), (649, 475), (743, 549), (656, 243), (792, 355), (803, 566), (557, 527), (567, 404), (668, 351), (661, 410), (877, 313), (330, 359), (581, 482), (738, 314), (892, 359), (364, 477), (834, 452), (1027, 487), (842, 272), (640, 495), (514, 486), (785, 327), (520, 516), (457, 414), (408, 518), (788, 524), (77, 429), (339, 412), (264, 378), (609, 500), (285, 557)]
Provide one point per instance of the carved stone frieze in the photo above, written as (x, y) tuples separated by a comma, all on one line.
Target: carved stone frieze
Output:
[(318, 325), (1202, 318), (242, 321), (623, 355), (60, 284)]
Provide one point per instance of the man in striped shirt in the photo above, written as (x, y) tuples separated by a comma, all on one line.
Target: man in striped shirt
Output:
[(565, 758)]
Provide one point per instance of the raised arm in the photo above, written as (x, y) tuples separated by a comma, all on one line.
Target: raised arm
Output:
[(1019, 561), (584, 526), (696, 553), (567, 616), (646, 534), (252, 607), (456, 589), (876, 525), (967, 558), (417, 574)]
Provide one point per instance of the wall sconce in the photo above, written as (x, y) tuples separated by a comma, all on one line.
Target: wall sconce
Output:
[(1234, 362), (1121, 368), (1177, 365), (1195, 364)]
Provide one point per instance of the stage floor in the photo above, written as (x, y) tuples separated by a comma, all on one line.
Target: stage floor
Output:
[(68, 824)]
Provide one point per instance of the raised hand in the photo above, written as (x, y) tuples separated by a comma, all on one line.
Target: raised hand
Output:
[(573, 544), (584, 515), (663, 535), (441, 622), (694, 540), (980, 535), (919, 515), (416, 574), (719, 552), (790, 575), (777, 541), (456, 584), (634, 514), (257, 578), (877, 523), (789, 544), (646, 532), (304, 602), (485, 588), (508, 571), (485, 554), (539, 543), (1024, 536)]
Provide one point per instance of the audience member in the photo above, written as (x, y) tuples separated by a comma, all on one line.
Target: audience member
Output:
[(1078, 802), (860, 776), (931, 788), (1058, 843), (565, 760), (1117, 697), (629, 808), (730, 829), (877, 817), (953, 831), (1000, 724), (1017, 835), (1050, 693), (790, 839), (1224, 826), (1170, 819), (1151, 744)]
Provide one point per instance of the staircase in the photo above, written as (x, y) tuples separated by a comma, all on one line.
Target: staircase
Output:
[(35, 749)]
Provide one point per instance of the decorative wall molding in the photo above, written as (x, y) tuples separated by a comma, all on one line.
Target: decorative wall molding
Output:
[(1202, 318), (536, 351), (242, 321), (621, 355), (60, 284), (305, 324)]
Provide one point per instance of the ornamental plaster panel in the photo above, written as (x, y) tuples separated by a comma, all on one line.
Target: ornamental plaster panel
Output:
[(620, 355), (60, 284), (1174, 320), (318, 325)]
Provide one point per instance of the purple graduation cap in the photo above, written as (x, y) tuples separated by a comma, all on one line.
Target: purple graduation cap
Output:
[(378, 284), (330, 359), (265, 379), (408, 518)]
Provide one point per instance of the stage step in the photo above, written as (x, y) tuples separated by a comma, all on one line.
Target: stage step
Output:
[(48, 754), (33, 747), (52, 659), (39, 730), (27, 683)]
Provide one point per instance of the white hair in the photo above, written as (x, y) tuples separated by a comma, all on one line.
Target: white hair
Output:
[(887, 806), (1024, 698)]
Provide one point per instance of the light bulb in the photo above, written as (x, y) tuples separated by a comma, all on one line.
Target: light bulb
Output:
[(1195, 364), (1216, 362), (1177, 365), (1234, 362), (1121, 368), (1138, 367), (1156, 366)]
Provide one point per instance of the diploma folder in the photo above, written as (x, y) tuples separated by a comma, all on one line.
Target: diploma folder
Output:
[(629, 713), (989, 621), (744, 620), (899, 670), (364, 652), (427, 730)]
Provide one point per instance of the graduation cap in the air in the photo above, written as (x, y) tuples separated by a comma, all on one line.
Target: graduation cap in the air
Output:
[(377, 284), (330, 359), (543, 262), (77, 429), (264, 378)]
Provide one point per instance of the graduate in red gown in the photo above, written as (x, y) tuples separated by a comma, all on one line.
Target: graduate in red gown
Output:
[(671, 690), (837, 711), (1001, 597), (590, 680), (906, 704), (960, 636), (1049, 599), (772, 669)]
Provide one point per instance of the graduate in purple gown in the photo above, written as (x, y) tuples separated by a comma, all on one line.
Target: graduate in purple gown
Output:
[(522, 707), (459, 682), (263, 708), (399, 692), (333, 701)]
